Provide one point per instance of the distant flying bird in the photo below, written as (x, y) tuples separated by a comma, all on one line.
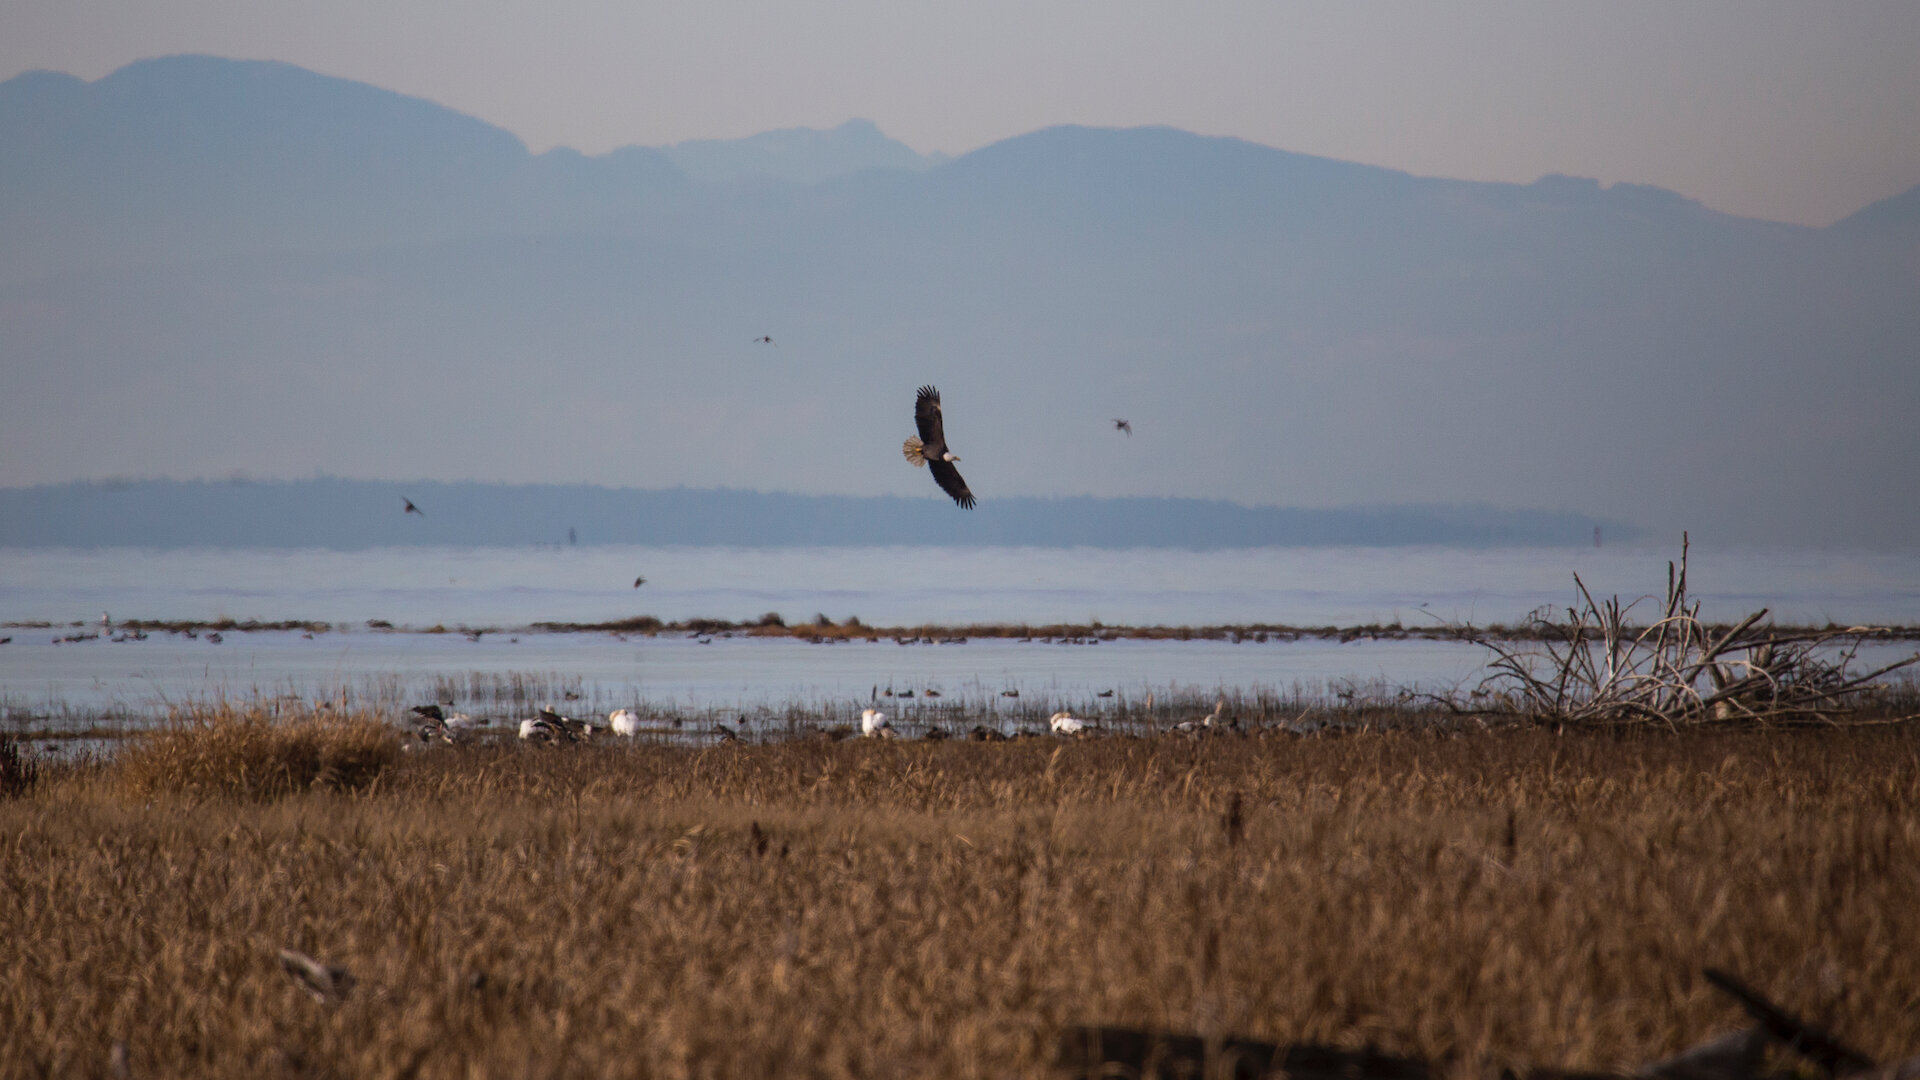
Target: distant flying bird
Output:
[(411, 509), (639, 581), (763, 340), (929, 448), (1122, 425)]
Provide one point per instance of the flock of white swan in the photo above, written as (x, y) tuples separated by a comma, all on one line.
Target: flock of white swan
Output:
[(549, 726)]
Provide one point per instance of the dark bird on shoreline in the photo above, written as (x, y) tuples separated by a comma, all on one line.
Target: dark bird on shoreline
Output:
[(639, 581), (763, 339), (1122, 425), (564, 728), (930, 448), (411, 509)]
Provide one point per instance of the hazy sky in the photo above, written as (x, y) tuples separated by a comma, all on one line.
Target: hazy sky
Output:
[(1794, 111)]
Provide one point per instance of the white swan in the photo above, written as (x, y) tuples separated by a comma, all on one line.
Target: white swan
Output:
[(1065, 724), (624, 722), (874, 725)]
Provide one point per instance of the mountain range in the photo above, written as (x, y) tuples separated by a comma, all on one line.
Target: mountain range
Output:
[(210, 265)]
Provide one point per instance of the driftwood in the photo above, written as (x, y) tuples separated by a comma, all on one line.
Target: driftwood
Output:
[(1738, 1054), (328, 984), (1833, 1056), (1598, 666), (1111, 1053), (1120, 1053), (1741, 1055)]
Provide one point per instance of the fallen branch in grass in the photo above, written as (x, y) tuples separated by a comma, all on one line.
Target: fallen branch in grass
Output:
[(1099, 1053)]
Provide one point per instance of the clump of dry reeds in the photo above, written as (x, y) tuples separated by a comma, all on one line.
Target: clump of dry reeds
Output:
[(1598, 666), (249, 752)]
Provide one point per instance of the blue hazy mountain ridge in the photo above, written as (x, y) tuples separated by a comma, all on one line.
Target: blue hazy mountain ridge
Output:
[(1895, 218), (210, 265), (192, 156), (796, 155), (354, 514)]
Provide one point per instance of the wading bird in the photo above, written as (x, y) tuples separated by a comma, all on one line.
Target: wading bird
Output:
[(874, 724), (1066, 724), (1122, 425), (929, 448), (567, 727), (411, 509), (438, 723)]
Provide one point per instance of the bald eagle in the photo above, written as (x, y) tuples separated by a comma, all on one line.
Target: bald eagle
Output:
[(929, 448)]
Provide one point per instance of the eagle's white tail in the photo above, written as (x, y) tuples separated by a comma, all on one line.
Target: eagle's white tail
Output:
[(914, 449)]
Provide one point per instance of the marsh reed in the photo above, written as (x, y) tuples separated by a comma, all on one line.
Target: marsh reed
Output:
[(863, 908)]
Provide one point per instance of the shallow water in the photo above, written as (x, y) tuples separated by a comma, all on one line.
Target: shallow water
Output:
[(76, 682), (512, 588)]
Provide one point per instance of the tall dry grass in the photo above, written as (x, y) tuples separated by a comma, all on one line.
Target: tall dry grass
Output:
[(249, 751), (913, 909)]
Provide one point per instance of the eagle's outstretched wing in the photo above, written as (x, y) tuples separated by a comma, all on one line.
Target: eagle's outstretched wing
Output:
[(926, 417), (950, 482)]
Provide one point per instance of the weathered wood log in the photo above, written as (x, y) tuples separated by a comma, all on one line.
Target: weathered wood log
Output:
[(1832, 1055), (1736, 1056), (1106, 1053), (1900, 1070), (328, 984)]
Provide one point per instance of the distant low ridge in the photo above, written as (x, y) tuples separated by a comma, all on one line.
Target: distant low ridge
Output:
[(352, 514)]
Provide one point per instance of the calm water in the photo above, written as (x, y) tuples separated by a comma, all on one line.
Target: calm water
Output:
[(512, 588)]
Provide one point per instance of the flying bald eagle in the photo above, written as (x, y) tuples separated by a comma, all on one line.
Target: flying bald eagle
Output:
[(930, 448)]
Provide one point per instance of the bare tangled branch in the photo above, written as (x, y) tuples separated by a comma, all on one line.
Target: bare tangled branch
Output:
[(1596, 666)]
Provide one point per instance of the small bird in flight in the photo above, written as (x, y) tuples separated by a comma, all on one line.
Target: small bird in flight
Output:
[(1122, 425), (929, 448), (763, 339), (639, 581), (411, 509)]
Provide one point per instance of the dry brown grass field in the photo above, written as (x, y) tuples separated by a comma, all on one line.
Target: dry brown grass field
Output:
[(1480, 899)]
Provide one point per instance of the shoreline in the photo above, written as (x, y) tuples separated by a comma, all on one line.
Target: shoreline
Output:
[(852, 629)]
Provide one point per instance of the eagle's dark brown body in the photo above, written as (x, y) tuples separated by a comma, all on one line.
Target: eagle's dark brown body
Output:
[(930, 448)]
